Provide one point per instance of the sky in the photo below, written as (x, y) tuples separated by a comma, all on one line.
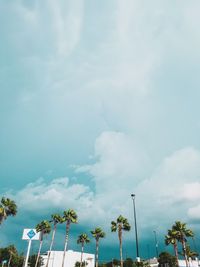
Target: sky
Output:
[(98, 100)]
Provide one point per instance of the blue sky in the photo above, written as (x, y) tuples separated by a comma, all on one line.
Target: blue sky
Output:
[(100, 99)]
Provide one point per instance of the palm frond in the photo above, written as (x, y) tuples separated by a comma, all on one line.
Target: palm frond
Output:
[(83, 239)]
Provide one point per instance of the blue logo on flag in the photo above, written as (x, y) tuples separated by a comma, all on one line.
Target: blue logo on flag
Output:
[(31, 234)]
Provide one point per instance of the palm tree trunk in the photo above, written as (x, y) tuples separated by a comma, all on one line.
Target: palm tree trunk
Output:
[(120, 246), (10, 258), (97, 254), (39, 251), (184, 252), (66, 242), (176, 253), (51, 245), (81, 255)]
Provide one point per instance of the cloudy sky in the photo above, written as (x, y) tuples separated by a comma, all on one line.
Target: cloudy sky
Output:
[(98, 100)]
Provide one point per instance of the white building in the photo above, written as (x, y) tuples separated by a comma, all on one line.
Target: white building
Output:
[(192, 263), (71, 258)]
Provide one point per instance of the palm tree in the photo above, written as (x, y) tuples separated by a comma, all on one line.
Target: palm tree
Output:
[(171, 239), (97, 233), (190, 253), (120, 225), (82, 239), (69, 216), (44, 228), (7, 208), (55, 219), (12, 251), (182, 232)]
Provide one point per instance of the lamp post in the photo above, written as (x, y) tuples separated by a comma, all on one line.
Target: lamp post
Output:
[(156, 243), (136, 235)]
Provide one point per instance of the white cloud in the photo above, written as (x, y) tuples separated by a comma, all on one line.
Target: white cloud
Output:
[(120, 161), (57, 194), (170, 193), (55, 25), (191, 191), (67, 23), (194, 212), (163, 194)]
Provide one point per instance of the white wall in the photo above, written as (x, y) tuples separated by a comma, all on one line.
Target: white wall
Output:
[(71, 258), (194, 263)]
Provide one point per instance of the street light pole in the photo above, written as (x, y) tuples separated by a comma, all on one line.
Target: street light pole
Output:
[(136, 234), (156, 243)]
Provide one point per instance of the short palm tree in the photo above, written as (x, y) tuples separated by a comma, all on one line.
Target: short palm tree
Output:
[(120, 225), (44, 228), (82, 239), (190, 253), (97, 233), (55, 219), (12, 251), (182, 232), (171, 239), (69, 216), (7, 208)]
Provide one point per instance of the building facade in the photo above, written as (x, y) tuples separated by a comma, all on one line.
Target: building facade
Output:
[(71, 258)]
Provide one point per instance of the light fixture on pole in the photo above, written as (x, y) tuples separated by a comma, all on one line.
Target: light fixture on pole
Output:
[(136, 234)]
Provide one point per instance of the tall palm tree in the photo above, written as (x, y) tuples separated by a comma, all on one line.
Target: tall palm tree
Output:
[(55, 219), (120, 225), (97, 233), (8, 207), (44, 228), (82, 239), (182, 232), (171, 239), (69, 216)]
